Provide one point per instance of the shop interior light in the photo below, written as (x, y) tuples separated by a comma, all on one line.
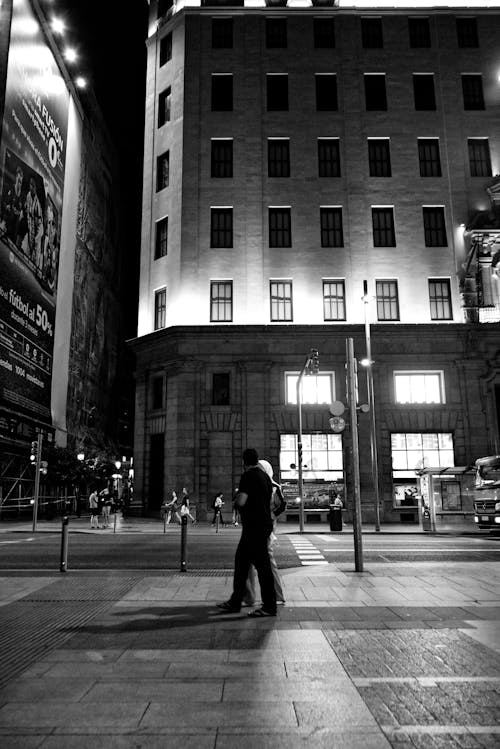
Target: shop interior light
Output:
[(80, 82), (57, 26), (70, 54)]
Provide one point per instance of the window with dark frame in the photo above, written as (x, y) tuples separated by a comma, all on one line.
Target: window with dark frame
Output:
[(472, 90), (157, 400), (387, 300), (162, 171), (277, 92), (467, 35), (371, 33), (434, 226), (278, 157), (276, 33), (332, 231), (160, 308), (440, 299), (479, 157), (222, 33), (333, 300), (161, 239), (383, 227), (419, 32), (221, 158), (375, 93), (221, 301), (281, 301), (280, 227), (222, 92), (379, 157), (326, 92), (221, 227), (221, 389), (324, 33), (165, 49), (423, 91), (328, 157), (429, 157), (164, 103)]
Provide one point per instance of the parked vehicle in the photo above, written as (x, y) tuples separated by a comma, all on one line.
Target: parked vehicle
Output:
[(487, 493)]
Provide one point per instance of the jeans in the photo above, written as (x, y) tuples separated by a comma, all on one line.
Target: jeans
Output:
[(253, 549)]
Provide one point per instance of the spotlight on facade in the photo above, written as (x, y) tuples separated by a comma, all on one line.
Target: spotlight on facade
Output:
[(80, 82), (57, 26), (70, 54)]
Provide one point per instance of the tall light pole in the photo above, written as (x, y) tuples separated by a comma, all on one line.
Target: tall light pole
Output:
[(311, 366), (371, 403)]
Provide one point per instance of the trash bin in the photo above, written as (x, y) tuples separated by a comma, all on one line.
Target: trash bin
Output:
[(426, 519), (336, 517)]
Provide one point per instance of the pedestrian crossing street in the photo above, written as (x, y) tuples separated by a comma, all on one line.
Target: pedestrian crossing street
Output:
[(307, 553)]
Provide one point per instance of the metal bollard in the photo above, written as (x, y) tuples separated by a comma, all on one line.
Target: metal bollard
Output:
[(165, 514), (114, 524), (184, 524), (64, 544)]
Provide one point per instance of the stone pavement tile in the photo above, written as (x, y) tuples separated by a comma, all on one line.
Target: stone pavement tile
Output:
[(21, 740), (413, 624), (485, 632), (448, 739), (313, 671), (449, 612), (169, 655), (318, 738), (340, 714), (483, 612), (14, 588), (105, 670), (207, 714), (340, 613), (155, 690), (449, 624), (132, 741), (291, 690), (378, 612), (28, 690), (239, 670), (55, 713), (67, 655), (415, 612)]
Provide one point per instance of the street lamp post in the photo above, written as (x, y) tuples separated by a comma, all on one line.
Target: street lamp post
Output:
[(371, 403), (311, 365)]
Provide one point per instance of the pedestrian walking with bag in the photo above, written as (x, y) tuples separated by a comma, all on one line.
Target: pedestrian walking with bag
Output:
[(94, 510), (184, 509)]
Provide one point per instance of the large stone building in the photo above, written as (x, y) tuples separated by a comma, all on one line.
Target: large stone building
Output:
[(293, 151)]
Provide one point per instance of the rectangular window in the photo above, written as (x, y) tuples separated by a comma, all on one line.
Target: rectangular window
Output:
[(375, 94), (278, 157), (328, 157), (222, 33), (371, 33), (220, 389), (419, 32), (434, 226), (333, 300), (429, 157), (281, 301), (423, 91), (221, 227), (316, 390), (384, 234), (157, 400), (413, 450), (221, 158), (332, 234), (161, 239), (479, 157), (379, 157), (280, 227), (277, 92), (221, 301), (165, 49), (162, 171), (387, 300), (326, 92), (321, 453), (419, 387), (440, 299), (160, 308), (276, 33), (467, 32), (324, 33), (472, 90), (222, 92), (164, 103)]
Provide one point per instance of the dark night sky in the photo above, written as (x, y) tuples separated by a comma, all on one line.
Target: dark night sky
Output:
[(110, 38)]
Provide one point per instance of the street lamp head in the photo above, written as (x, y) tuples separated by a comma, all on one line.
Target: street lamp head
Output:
[(366, 362), (81, 456)]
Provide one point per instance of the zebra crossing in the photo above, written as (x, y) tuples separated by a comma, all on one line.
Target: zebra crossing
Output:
[(306, 552)]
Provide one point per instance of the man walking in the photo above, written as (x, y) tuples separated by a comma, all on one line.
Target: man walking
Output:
[(254, 502)]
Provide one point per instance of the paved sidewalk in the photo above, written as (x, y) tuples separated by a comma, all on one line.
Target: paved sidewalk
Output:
[(401, 655)]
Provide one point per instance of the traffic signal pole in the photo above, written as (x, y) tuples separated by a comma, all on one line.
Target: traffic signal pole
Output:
[(38, 466), (353, 415)]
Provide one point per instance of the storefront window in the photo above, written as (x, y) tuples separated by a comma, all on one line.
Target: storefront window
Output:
[(412, 451), (321, 457), (315, 388)]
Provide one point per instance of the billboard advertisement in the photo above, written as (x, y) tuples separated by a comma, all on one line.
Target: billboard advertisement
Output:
[(32, 164)]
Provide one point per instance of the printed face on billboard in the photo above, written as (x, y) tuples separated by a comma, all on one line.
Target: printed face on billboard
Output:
[(32, 162)]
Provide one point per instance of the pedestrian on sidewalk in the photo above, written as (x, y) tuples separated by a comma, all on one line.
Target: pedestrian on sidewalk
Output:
[(94, 510), (184, 509), (254, 501), (217, 508), (106, 508)]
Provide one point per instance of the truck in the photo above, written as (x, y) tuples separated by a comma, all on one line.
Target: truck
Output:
[(487, 493)]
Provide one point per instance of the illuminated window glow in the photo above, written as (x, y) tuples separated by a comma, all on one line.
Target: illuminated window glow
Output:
[(316, 389), (321, 456), (411, 451), (419, 387)]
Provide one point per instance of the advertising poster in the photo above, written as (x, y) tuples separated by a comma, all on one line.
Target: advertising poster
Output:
[(32, 162)]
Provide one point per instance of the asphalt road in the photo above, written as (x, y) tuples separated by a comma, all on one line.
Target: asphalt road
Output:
[(209, 551)]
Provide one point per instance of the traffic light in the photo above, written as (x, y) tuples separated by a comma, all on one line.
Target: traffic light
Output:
[(44, 467), (314, 361), (34, 452)]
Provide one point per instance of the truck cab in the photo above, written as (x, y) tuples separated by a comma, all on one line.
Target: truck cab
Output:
[(487, 493)]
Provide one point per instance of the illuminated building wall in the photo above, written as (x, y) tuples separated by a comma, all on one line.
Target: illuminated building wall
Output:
[(290, 153)]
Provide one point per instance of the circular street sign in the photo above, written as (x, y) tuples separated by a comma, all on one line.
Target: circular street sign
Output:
[(337, 424), (337, 408)]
